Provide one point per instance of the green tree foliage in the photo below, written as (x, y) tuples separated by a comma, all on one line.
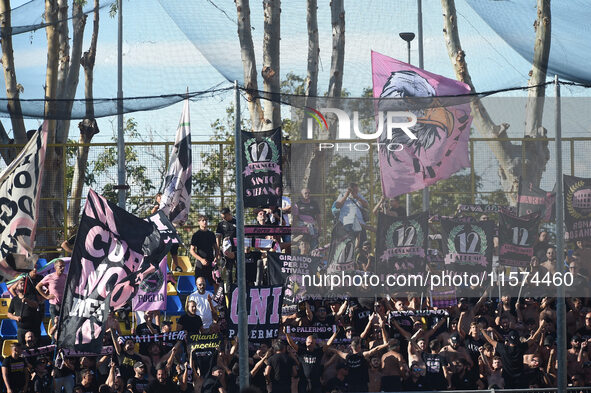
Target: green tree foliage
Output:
[(103, 170)]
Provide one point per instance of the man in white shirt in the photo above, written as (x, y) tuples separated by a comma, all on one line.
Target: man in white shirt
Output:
[(204, 303)]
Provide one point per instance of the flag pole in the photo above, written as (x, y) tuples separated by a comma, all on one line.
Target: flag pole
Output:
[(241, 274), (120, 133), (560, 305), (421, 66)]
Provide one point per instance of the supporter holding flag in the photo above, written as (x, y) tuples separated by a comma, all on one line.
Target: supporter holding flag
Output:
[(24, 310)]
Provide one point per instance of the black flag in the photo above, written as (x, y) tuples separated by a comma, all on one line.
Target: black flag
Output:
[(261, 162)]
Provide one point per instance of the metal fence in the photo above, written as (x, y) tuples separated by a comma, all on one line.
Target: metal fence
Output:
[(213, 176)]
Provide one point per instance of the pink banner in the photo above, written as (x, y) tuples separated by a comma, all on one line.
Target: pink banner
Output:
[(151, 294), (442, 132)]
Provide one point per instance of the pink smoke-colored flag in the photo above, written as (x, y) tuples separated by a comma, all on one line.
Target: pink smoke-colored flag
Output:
[(442, 132)]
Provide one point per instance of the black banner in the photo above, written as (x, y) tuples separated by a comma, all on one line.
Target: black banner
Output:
[(287, 270), (204, 343), (114, 252), (577, 208), (468, 247), (517, 236), (402, 243), (484, 208), (263, 305), (532, 199), (261, 162), (152, 338)]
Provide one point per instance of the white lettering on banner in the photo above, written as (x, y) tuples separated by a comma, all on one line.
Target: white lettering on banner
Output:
[(86, 308)]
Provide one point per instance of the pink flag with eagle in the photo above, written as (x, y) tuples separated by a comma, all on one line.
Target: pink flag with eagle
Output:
[(442, 132)]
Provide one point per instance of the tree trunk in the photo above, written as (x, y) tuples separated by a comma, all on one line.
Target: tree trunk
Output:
[(88, 126), (305, 152), (537, 154), (337, 13), (318, 166), (12, 87), (64, 50), (313, 49), (270, 71), (507, 154), (51, 207), (249, 63), (67, 90)]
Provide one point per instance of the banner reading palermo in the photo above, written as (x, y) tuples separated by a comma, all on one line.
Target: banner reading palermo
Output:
[(263, 305), (440, 146), (468, 247), (261, 161), (402, 243), (176, 198), (577, 208), (517, 236), (114, 252), (151, 294), (19, 196)]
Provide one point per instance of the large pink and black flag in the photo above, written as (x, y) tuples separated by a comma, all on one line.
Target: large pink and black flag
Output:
[(437, 145), (115, 253)]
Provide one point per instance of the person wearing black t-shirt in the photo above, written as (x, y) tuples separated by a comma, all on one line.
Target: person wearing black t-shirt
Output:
[(162, 384), (280, 369), (204, 249), (339, 382), (138, 383), (416, 381), (127, 357), (24, 310), (147, 328), (212, 383), (435, 367), (461, 379), (191, 322), (306, 213), (43, 381), (14, 370), (356, 360), (310, 359), (225, 234), (511, 353)]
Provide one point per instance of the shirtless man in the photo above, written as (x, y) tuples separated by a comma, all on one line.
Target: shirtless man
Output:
[(453, 351), (393, 367)]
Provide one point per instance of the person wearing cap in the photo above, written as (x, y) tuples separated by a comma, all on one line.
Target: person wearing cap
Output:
[(511, 352), (454, 351), (138, 383)]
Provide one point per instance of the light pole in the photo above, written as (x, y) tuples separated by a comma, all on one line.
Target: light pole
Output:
[(408, 37)]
